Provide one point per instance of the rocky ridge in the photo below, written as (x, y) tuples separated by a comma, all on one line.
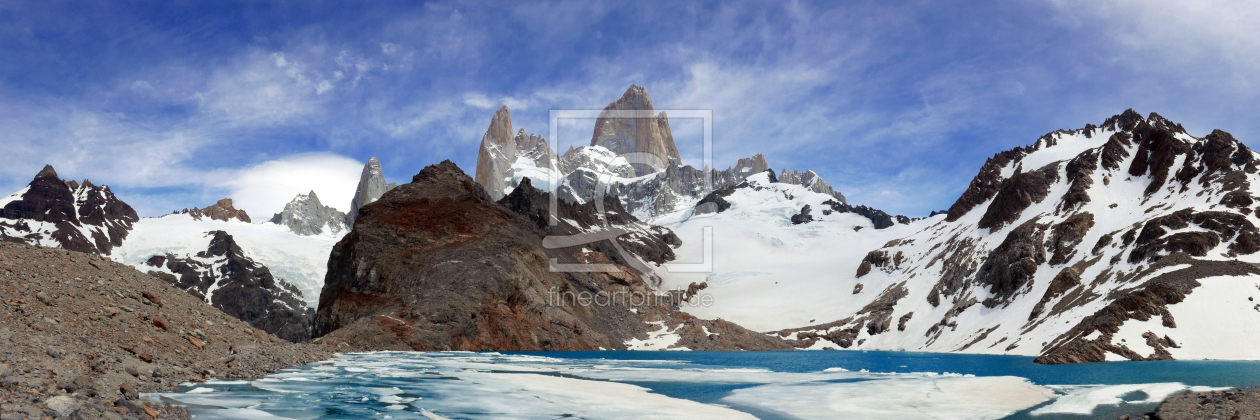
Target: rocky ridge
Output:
[(82, 337), (224, 277), (628, 129), (476, 275), (52, 212), (1086, 235), (306, 215)]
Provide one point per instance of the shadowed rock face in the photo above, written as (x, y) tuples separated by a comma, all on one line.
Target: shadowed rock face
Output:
[(228, 280), (79, 217), (641, 132), (436, 265), (371, 186)]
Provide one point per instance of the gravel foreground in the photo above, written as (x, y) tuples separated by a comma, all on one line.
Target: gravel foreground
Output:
[(81, 337), (1233, 404)]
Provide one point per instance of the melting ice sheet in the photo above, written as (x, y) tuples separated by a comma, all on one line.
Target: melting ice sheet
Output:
[(463, 385)]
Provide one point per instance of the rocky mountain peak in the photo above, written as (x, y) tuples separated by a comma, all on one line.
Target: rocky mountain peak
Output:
[(53, 212), (498, 152), (306, 215), (371, 187), (221, 210), (638, 132)]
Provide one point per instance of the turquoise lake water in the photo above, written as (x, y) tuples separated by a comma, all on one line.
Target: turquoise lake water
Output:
[(693, 385)]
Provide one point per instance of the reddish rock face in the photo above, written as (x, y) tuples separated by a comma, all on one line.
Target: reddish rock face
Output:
[(436, 265), (643, 132), (222, 210)]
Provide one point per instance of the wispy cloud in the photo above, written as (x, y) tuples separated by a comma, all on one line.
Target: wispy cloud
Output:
[(896, 104)]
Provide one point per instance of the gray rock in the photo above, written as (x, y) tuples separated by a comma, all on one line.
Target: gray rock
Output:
[(62, 405), (45, 299), (372, 186), (306, 216), (498, 152), (53, 353)]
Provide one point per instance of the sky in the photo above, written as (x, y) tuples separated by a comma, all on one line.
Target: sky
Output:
[(176, 104)]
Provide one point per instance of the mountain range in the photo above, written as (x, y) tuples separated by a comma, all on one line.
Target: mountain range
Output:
[(1129, 240)]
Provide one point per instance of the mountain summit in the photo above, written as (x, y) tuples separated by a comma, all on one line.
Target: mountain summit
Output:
[(78, 217), (628, 126)]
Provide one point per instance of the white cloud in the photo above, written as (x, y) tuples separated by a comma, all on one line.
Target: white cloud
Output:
[(265, 188)]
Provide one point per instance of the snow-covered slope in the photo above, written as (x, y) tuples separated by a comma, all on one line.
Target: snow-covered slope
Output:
[(769, 274), (1129, 241), (299, 260)]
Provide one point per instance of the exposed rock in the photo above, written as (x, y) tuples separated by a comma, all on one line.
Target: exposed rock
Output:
[(1064, 237), (305, 215), (80, 217), (1023, 189), (628, 126), (803, 216), (230, 281), (879, 218), (371, 187), (715, 202), (810, 181), (498, 152), (221, 210), (436, 265), (1011, 266)]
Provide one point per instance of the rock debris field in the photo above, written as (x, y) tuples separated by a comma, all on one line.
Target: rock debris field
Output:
[(81, 337)]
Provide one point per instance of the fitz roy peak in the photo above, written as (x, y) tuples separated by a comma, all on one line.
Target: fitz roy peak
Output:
[(630, 127)]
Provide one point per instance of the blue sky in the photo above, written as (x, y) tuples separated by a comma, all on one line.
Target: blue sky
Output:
[(897, 104)]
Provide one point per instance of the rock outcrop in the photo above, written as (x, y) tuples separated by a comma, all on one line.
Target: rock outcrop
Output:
[(497, 154), (812, 181), (224, 277), (437, 265), (221, 210), (371, 186), (305, 215), (629, 126), (79, 217)]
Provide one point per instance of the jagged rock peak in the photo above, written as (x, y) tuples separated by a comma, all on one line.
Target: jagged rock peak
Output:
[(221, 210), (810, 180), (371, 187), (50, 211), (306, 216), (498, 152), (640, 132)]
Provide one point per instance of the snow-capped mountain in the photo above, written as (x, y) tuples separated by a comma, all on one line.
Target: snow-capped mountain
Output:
[(306, 215), (223, 276), (646, 191), (80, 217), (1133, 240), (371, 186), (296, 259)]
